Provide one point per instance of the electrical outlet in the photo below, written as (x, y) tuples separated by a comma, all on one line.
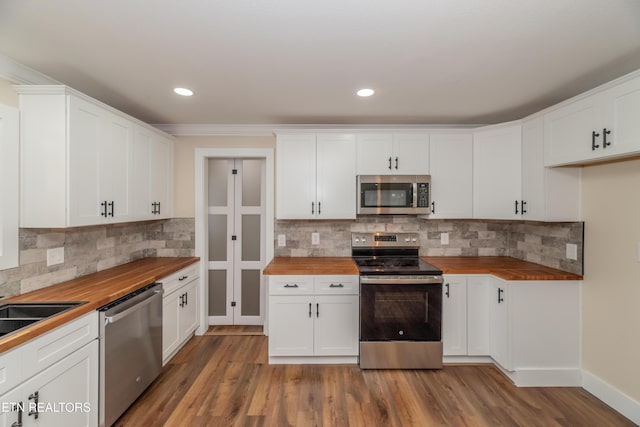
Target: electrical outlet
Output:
[(444, 238), (55, 256), (315, 238), (572, 251), (282, 240)]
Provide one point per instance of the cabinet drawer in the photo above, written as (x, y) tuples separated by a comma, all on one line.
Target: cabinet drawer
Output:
[(291, 285), (180, 278), (44, 351), (10, 369), (337, 285)]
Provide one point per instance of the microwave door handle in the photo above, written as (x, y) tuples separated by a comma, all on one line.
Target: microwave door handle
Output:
[(415, 194)]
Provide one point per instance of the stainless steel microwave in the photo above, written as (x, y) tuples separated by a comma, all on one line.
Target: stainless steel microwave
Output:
[(394, 194)]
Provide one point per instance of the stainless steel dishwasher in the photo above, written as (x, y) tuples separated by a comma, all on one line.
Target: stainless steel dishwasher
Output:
[(130, 350)]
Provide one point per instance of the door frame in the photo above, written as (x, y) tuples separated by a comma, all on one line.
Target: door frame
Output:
[(202, 155)]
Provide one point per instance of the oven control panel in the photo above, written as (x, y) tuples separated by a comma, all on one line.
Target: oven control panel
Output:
[(368, 240)]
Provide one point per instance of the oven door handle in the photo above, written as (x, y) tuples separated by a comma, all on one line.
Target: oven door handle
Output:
[(382, 280), (136, 307)]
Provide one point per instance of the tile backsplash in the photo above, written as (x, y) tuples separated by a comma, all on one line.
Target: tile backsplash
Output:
[(91, 249), (542, 243)]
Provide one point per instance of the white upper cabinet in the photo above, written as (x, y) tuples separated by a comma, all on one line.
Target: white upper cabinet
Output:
[(451, 166), (393, 154), (79, 161), (497, 172), (152, 157), (548, 194), (598, 126), (316, 177), (8, 187)]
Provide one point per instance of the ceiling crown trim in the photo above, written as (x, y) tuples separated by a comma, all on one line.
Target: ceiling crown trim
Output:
[(21, 74)]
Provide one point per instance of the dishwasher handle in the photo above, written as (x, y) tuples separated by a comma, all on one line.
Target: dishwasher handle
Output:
[(136, 307)]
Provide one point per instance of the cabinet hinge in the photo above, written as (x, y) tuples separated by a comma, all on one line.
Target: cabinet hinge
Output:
[(234, 171), (233, 303)]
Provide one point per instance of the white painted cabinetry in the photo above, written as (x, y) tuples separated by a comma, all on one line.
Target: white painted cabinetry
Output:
[(152, 159), (451, 166), (8, 187), (454, 315), (548, 194), (76, 160), (59, 371), (497, 172), (393, 154), (313, 319), (531, 329), (316, 176), (180, 304), (600, 125)]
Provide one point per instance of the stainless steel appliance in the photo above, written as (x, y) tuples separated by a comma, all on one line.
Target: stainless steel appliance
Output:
[(394, 194), (130, 350), (400, 303)]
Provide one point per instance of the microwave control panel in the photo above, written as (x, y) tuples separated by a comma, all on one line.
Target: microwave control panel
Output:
[(423, 195)]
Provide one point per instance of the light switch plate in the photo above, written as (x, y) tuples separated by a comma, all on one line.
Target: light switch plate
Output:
[(282, 240), (55, 256), (572, 251), (315, 238), (444, 238)]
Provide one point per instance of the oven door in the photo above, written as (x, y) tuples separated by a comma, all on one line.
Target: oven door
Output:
[(401, 312)]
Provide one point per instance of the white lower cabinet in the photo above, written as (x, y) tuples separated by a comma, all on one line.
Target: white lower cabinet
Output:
[(179, 310), (65, 391), (313, 316), (454, 316), (530, 329)]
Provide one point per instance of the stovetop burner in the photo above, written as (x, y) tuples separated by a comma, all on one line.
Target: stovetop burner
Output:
[(389, 254)]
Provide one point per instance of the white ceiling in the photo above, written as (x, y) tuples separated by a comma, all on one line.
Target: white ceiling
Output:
[(301, 61)]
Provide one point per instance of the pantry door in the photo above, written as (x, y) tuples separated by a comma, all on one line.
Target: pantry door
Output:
[(236, 241)]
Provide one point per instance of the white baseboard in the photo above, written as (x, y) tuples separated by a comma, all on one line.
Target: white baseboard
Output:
[(523, 377), (313, 360), (613, 397)]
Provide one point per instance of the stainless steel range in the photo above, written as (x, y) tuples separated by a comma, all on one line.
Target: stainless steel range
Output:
[(400, 303)]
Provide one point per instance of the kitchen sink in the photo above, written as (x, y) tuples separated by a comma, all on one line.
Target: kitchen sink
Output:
[(15, 316)]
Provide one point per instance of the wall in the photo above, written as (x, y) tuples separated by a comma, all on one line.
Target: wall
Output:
[(184, 165), (91, 249), (611, 289), (542, 243)]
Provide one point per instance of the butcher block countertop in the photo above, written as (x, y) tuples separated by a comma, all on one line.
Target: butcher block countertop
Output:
[(95, 290), (506, 268), (311, 265)]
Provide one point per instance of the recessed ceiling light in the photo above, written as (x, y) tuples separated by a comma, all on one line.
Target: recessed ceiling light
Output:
[(365, 92), (183, 91)]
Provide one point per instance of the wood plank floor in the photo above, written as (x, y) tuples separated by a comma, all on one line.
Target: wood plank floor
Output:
[(226, 381)]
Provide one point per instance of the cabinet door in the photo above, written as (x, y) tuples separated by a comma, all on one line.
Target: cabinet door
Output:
[(454, 316), (411, 154), (622, 106), (170, 329), (500, 324), (9, 187), (189, 311), (291, 325), (140, 175), (161, 176), (85, 127), (296, 177), (336, 176), (336, 325), (568, 132), (451, 166), (115, 149), (15, 408), (533, 171), (479, 306), (497, 172), (375, 154), (72, 381)]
